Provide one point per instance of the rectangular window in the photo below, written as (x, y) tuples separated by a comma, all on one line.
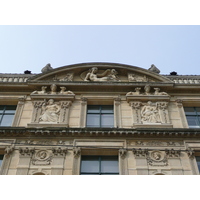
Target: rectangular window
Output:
[(1, 159), (193, 116), (100, 116), (198, 162), (6, 115), (99, 165)]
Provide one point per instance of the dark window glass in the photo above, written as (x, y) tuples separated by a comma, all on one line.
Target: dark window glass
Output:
[(100, 116), (198, 162), (193, 116), (6, 115), (99, 165), (1, 160)]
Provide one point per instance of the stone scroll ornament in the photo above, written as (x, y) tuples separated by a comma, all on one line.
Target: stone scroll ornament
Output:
[(108, 75)]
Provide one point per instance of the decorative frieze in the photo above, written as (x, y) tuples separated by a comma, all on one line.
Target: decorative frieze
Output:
[(171, 153), (140, 153), (59, 151), (26, 151)]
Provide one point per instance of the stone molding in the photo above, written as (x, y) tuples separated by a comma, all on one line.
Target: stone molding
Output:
[(98, 132)]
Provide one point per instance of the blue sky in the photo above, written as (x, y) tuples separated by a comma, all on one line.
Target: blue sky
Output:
[(170, 48)]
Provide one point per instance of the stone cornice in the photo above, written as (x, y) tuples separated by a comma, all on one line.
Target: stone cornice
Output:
[(6, 132)]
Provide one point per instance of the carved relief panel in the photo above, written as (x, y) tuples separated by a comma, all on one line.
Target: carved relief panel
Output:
[(51, 107), (149, 108)]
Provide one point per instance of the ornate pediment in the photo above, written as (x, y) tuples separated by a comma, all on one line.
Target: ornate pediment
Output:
[(99, 72)]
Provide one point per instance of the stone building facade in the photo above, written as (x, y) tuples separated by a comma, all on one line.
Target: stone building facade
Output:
[(99, 118)]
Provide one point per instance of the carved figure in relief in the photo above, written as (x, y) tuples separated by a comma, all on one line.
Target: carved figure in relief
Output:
[(136, 78), (62, 91), (68, 77), (107, 75), (147, 89), (149, 113), (43, 91), (137, 92), (155, 155), (53, 88), (159, 93), (51, 112)]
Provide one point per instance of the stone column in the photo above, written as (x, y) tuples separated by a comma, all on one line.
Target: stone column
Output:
[(64, 113), (117, 113), (77, 161), (83, 112), (181, 113), (24, 160), (19, 110), (123, 168), (136, 110), (58, 160)]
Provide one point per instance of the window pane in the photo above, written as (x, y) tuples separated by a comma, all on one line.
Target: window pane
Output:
[(198, 162), (107, 109), (10, 109), (107, 120), (90, 165), (93, 109), (93, 120), (192, 121), (109, 165), (1, 160), (190, 111), (7, 120), (198, 110)]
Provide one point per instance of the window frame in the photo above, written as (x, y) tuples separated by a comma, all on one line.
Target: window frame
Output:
[(3, 113), (1, 160), (101, 113), (100, 159), (195, 114)]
